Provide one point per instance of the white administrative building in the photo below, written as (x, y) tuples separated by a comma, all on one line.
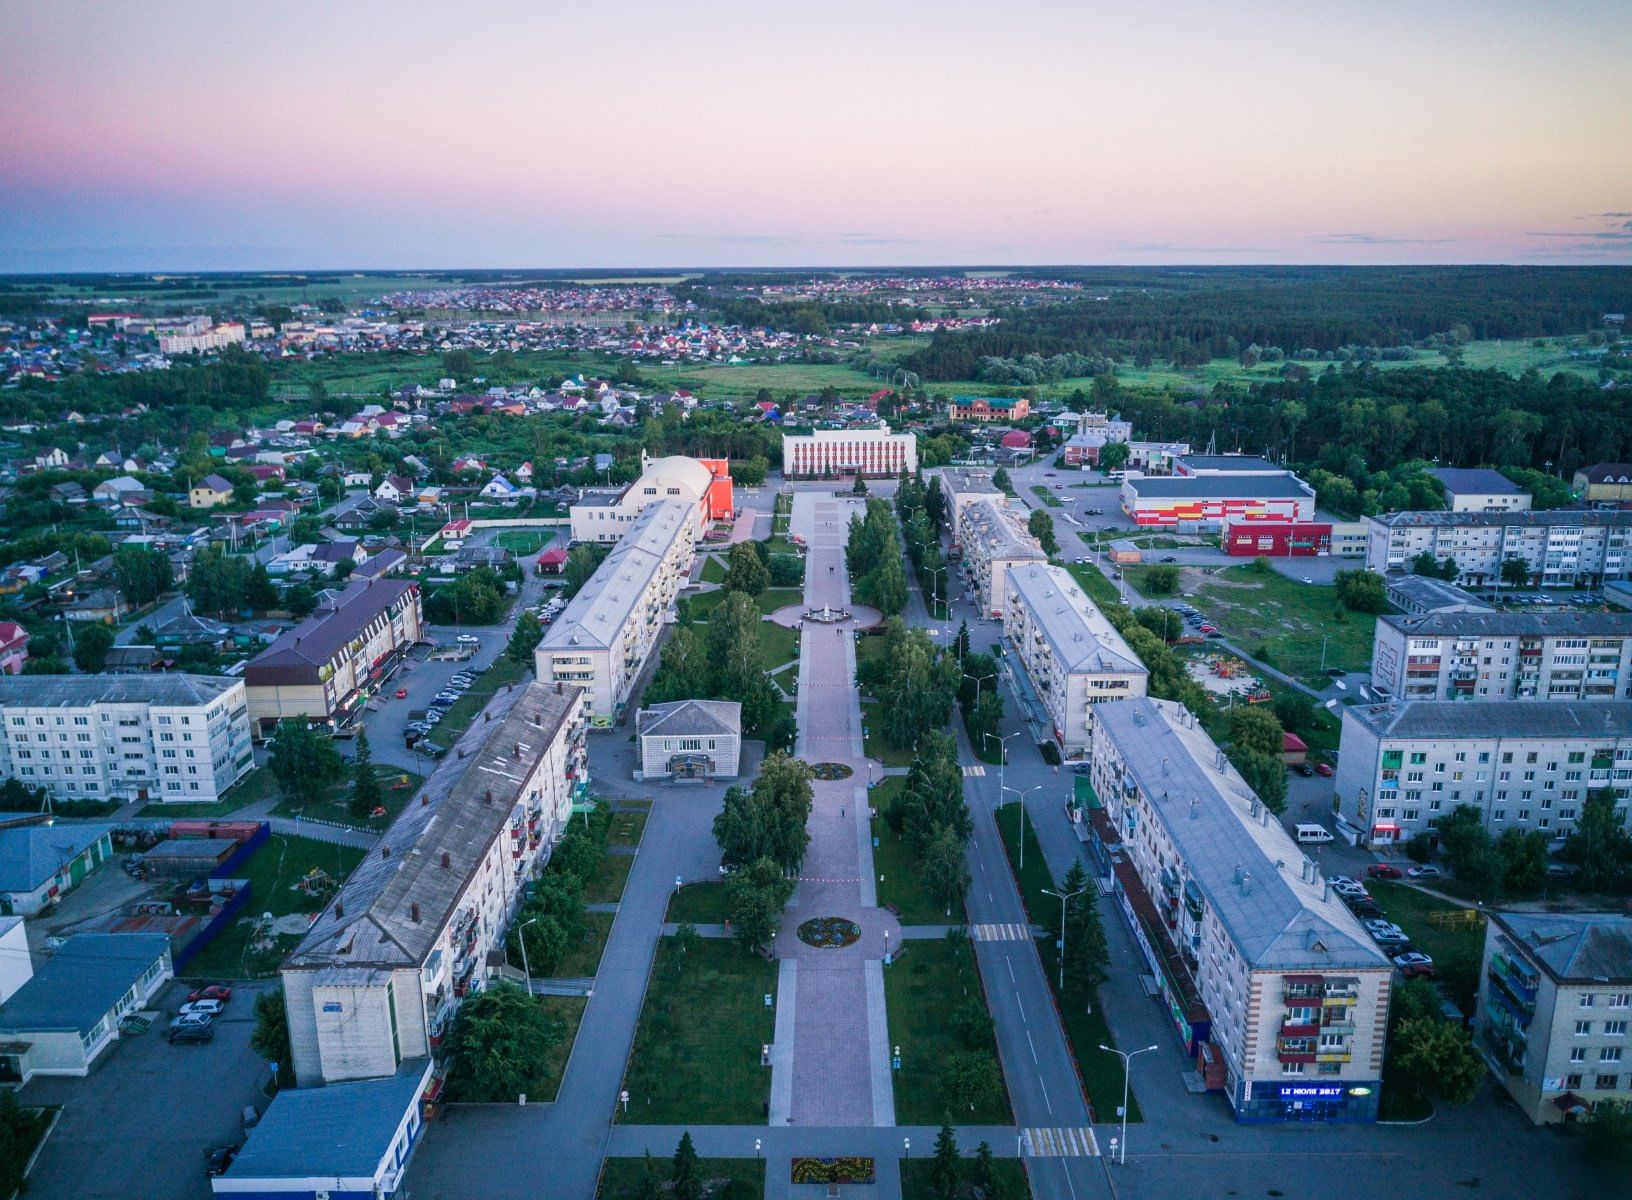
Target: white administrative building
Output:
[(872, 452)]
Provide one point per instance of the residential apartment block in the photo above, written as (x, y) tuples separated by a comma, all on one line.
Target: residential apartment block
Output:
[(1559, 547), (1524, 764), (1505, 656), (1072, 653), (1554, 1012), (962, 486), (604, 516), (604, 637), (1271, 981), (994, 539), (873, 453), (326, 668), (175, 738), (415, 929)]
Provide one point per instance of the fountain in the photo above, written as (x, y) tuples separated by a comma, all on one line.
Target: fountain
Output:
[(827, 614)]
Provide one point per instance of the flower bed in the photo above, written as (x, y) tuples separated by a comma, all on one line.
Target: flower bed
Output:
[(830, 771), (829, 933), (833, 1170)]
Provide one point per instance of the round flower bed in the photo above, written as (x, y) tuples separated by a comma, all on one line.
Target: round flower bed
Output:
[(831, 771), (829, 933)]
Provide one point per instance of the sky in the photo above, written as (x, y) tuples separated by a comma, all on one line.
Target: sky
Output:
[(167, 135)]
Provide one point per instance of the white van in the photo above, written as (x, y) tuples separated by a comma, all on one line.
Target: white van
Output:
[(1311, 833)]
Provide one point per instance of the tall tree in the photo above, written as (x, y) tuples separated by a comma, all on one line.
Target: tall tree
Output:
[(732, 640), (1041, 526), (745, 570), (365, 787), (304, 762), (91, 646), (524, 638), (944, 1183), (500, 1044), (755, 896), (685, 1177), (1087, 957)]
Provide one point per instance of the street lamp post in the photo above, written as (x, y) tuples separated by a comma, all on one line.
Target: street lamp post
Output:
[(1127, 1070), (978, 679), (1063, 897), (906, 1146), (1323, 640), (1020, 798), (1003, 758), (756, 1149), (521, 936)]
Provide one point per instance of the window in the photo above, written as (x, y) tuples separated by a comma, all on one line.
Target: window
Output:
[(1578, 1055), (1610, 1054), (1620, 999), (1572, 1081), (1584, 1000), (1583, 1028)]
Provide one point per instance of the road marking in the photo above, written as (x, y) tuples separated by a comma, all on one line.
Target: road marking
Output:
[(1071, 1142), (1032, 1044), (977, 769), (1004, 932), (1047, 1103), (1009, 963)]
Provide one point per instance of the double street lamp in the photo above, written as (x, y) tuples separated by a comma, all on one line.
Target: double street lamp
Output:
[(1127, 1069), (1020, 795)]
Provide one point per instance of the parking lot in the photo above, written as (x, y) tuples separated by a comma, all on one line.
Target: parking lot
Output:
[(141, 1124)]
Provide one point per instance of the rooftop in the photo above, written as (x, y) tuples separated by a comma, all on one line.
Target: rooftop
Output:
[(1432, 593), (79, 985), (1278, 919), (1476, 481), (1608, 473), (999, 531), (1575, 947), (1081, 637), (691, 718), (964, 482), (31, 854), (312, 644), (1514, 624), (1277, 485), (1230, 462), (465, 806), (1529, 719), (603, 605), (342, 1131), (1611, 518), (82, 691)]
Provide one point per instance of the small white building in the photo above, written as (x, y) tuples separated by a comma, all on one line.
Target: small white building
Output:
[(690, 739), (16, 968), (1480, 489)]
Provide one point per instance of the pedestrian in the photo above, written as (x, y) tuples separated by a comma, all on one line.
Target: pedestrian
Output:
[(841, 810)]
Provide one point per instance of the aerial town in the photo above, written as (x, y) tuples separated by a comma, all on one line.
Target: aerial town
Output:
[(591, 611)]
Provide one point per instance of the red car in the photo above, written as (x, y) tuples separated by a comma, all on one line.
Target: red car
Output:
[(1382, 871), (402, 693), (1324, 769), (213, 991)]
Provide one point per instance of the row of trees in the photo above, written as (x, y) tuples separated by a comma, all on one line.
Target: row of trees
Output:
[(872, 554), (724, 663), (551, 921), (929, 812), (921, 509), (477, 597), (762, 837), (223, 585), (914, 681), (1515, 863)]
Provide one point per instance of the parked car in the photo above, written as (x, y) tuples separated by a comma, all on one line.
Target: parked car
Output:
[(402, 693), (468, 639), (1306, 579), (1413, 963), (1170, 559), (1343, 885), (431, 749), (1336, 672), (1382, 871), (1385, 933), (210, 991), (1324, 769), (1305, 769), (191, 1033), (1367, 910), (1429, 872), (218, 1160), (205, 1007)]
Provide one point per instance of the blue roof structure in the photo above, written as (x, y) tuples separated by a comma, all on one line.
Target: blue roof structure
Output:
[(341, 1131), (31, 854), (82, 982)]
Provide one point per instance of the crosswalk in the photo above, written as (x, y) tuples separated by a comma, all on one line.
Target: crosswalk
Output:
[(1007, 931), (1059, 1143), (977, 769)]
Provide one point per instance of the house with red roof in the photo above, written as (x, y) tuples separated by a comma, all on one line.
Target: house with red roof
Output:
[(13, 647)]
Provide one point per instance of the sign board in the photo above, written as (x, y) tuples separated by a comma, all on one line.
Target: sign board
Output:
[(1310, 1091)]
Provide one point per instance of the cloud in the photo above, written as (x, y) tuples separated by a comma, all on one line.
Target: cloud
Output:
[(874, 239), (1179, 248), (1623, 234), (793, 239), (1371, 239), (1614, 214)]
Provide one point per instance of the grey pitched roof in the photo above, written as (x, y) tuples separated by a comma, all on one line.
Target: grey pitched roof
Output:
[(1432, 593), (1616, 518), (342, 1131), (1000, 531), (602, 606), (1563, 719), (216, 483), (1276, 485), (1081, 637), (300, 651), (1575, 947), (79, 985), (369, 923), (965, 482), (1513, 624), (82, 691), (1476, 481), (1281, 921), (691, 718), (1230, 462), (31, 854)]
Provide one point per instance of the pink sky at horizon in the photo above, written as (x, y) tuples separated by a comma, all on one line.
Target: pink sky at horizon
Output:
[(188, 137)]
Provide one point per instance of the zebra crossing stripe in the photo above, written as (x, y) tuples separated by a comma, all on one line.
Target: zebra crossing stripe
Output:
[(977, 769), (1007, 931), (1059, 1143)]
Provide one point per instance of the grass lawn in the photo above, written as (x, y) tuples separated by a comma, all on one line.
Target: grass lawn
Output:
[(258, 785), (698, 904), (1456, 950), (521, 541), (768, 601), (273, 871), (606, 884), (1084, 1022), (868, 648), (581, 961), (926, 982), (397, 787), (1100, 589), (713, 570), (1047, 496), (778, 646), (622, 1178), (626, 826), (917, 1175), (876, 745), (901, 887), (569, 1009), (696, 1054), (488, 684), (1289, 620)]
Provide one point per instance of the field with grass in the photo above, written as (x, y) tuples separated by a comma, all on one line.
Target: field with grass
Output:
[(1457, 950), (897, 868), (698, 904), (1047, 496), (875, 745), (918, 1177), (521, 541), (928, 979), (768, 601), (569, 1010), (1287, 619), (1100, 589), (273, 872), (713, 570), (397, 787), (626, 1178), (584, 957), (696, 1053), (606, 884)]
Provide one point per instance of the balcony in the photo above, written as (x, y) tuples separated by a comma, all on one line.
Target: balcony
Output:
[(1298, 991), (1297, 1029), (1505, 1049), (1334, 1056), (1295, 1050), (1519, 983)]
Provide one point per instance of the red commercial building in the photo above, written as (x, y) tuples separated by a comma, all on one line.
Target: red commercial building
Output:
[(1277, 539)]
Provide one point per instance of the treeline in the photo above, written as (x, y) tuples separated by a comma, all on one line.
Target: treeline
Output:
[(815, 316), (236, 381), (1191, 316)]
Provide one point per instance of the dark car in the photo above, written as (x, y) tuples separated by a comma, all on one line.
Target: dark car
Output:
[(1367, 910), (219, 1159), (1336, 672), (1170, 559), (430, 749), (1305, 769), (191, 1033)]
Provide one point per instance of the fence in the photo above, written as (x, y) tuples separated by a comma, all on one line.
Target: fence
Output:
[(227, 914)]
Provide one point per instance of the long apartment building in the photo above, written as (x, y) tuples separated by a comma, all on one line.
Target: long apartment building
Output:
[(871, 452), (175, 738), (1524, 764), (1072, 653), (604, 638), (962, 486), (1274, 986), (1554, 1010), (326, 668), (1559, 547), (1505, 656), (419, 923), (995, 539)]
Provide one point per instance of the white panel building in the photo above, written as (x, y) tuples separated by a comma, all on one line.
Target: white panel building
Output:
[(995, 538), (1505, 656), (1559, 547)]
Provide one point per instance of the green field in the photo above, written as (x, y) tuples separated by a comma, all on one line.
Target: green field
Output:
[(713, 570), (896, 869), (778, 645), (397, 787), (875, 745), (927, 980), (625, 1178), (570, 1011), (521, 541), (696, 1053), (1457, 951), (699, 904), (1047, 496), (1288, 619), (606, 884), (582, 960)]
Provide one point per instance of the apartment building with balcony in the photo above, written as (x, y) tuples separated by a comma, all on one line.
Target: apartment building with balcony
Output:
[(962, 486), (995, 538), (421, 922), (1504, 656), (172, 738), (604, 638), (1071, 652), (1554, 1010), (1523, 764), (1275, 988), (1559, 547)]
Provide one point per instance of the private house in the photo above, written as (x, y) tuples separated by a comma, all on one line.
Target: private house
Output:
[(13, 647), (1604, 485), (690, 740), (209, 492), (395, 489)]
